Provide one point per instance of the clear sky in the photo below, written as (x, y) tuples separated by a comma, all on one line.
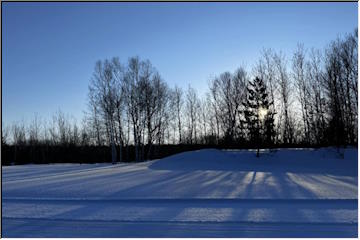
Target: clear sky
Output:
[(50, 49)]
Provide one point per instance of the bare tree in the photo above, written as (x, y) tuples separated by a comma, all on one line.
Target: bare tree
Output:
[(19, 137), (211, 119), (284, 87), (178, 104), (228, 92), (75, 135), (84, 134), (119, 78), (18, 134), (191, 112), (214, 93), (317, 97), (146, 97), (336, 91), (93, 118), (266, 70), (104, 86), (302, 86), (348, 56), (162, 103), (5, 134), (203, 119), (34, 130), (60, 129)]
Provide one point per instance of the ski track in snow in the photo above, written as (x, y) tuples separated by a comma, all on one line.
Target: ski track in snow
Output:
[(202, 193)]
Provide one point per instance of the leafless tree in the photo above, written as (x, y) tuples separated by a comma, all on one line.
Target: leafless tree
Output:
[(317, 97), (104, 86), (178, 105), (191, 112), (214, 100), (84, 134), (266, 70), (338, 81), (18, 134), (18, 137), (203, 119), (302, 87), (162, 112), (348, 56), (146, 95), (119, 122), (93, 118), (75, 135), (34, 130), (284, 86), (5, 134), (228, 92)]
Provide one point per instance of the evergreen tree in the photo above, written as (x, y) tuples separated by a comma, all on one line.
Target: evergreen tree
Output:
[(258, 118)]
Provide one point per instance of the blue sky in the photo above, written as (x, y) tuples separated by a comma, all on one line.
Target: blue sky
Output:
[(50, 49)]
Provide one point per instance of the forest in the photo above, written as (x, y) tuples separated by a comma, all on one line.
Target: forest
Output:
[(308, 99)]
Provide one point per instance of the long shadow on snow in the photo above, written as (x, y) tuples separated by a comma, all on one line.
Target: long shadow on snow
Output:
[(294, 161)]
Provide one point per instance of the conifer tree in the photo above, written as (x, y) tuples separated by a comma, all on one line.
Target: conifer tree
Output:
[(258, 118)]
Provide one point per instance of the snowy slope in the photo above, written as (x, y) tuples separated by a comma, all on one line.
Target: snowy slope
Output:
[(225, 193)]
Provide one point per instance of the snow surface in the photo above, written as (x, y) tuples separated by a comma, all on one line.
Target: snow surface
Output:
[(205, 193)]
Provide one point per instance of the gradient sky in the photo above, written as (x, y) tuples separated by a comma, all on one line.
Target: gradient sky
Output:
[(50, 49)]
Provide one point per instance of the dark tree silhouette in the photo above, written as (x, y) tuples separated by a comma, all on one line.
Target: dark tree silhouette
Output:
[(258, 118)]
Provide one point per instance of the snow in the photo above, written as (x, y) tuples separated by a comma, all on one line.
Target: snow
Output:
[(205, 193)]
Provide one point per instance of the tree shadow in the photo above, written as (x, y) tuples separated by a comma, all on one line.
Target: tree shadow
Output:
[(294, 161)]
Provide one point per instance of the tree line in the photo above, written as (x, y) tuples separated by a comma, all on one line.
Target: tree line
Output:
[(309, 99)]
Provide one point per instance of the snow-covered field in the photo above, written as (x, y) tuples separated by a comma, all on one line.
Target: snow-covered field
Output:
[(205, 193)]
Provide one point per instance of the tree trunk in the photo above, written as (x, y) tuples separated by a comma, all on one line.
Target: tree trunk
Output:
[(113, 148)]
